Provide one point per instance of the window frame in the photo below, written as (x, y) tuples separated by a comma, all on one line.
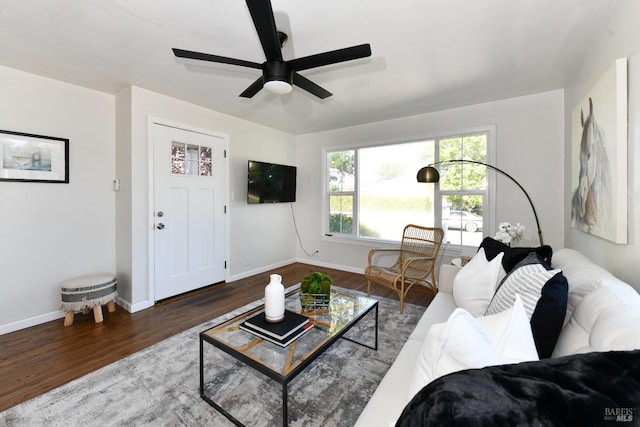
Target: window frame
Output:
[(489, 205), (326, 206)]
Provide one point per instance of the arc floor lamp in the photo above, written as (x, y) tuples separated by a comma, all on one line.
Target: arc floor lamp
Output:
[(430, 174)]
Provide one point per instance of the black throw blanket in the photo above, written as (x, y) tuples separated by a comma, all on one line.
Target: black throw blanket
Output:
[(593, 389)]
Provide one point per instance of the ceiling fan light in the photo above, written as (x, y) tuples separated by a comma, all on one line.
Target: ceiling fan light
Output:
[(278, 87)]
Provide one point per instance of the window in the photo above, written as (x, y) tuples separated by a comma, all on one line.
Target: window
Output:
[(372, 192), (341, 191), (463, 188)]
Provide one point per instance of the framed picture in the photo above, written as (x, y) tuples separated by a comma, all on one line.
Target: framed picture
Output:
[(35, 158), (599, 157)]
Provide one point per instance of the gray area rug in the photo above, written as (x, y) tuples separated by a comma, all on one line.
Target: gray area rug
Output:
[(159, 385)]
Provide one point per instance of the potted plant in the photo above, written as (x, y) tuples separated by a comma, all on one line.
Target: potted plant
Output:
[(315, 291)]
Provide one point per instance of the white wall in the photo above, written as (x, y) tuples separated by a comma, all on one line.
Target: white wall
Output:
[(260, 237), (619, 38), (529, 135), (52, 232)]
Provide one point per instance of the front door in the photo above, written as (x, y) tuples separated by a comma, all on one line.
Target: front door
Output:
[(189, 224)]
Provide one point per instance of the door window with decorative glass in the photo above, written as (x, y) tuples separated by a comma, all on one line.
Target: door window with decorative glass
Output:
[(189, 159)]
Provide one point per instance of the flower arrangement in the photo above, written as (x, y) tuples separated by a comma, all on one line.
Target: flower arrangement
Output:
[(508, 233)]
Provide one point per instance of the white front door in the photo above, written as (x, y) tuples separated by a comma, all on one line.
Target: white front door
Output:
[(188, 210)]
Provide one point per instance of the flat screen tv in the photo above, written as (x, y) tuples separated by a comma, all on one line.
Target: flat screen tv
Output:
[(271, 183)]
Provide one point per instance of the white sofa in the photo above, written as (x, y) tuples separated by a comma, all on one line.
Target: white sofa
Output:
[(603, 313)]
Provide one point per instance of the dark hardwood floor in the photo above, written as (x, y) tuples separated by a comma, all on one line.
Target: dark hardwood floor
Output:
[(41, 358)]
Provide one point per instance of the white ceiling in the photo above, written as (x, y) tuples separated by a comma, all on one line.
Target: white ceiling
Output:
[(428, 55)]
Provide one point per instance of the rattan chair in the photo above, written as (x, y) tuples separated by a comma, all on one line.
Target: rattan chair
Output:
[(414, 262)]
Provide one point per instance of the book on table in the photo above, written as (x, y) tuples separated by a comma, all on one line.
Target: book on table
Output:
[(291, 325), (282, 342)]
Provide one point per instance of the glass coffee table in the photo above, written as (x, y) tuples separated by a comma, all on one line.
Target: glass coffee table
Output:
[(283, 364)]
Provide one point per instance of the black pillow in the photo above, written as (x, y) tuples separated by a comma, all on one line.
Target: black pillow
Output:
[(548, 317), (513, 256)]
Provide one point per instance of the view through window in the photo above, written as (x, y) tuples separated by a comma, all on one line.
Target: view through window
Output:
[(372, 192)]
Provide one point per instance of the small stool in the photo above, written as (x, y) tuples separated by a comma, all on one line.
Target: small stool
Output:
[(90, 291)]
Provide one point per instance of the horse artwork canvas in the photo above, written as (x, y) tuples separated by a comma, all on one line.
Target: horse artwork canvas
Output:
[(599, 158)]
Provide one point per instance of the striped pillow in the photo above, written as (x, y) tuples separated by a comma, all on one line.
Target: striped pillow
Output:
[(526, 280)]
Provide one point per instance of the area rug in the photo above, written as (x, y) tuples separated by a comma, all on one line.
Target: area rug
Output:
[(159, 385)]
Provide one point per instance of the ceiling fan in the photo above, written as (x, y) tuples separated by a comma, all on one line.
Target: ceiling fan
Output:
[(277, 74)]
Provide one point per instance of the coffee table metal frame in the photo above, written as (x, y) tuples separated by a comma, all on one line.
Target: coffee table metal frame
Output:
[(284, 380)]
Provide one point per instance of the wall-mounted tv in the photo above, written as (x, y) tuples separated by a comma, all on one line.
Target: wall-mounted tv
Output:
[(270, 183)]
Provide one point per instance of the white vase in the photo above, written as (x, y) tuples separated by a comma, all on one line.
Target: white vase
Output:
[(274, 299)]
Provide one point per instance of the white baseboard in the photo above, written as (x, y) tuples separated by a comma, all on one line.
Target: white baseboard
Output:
[(32, 321), (59, 314), (253, 272), (250, 273), (350, 269), (132, 308)]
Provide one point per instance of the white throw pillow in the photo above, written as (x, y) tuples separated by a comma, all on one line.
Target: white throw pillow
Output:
[(460, 343), (465, 342), (511, 334), (476, 283)]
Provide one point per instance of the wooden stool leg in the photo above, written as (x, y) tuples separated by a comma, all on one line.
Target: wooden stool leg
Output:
[(111, 305), (68, 318), (97, 313), (85, 310)]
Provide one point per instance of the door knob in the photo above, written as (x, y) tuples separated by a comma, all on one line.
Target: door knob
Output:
[(160, 226)]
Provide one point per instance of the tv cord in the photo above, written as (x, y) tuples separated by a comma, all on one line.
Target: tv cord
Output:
[(295, 226)]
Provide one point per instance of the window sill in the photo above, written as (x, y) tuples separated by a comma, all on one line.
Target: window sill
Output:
[(446, 250)]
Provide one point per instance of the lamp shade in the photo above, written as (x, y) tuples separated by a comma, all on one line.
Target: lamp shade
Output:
[(428, 174)]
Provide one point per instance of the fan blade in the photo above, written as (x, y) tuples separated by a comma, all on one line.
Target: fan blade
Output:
[(310, 86), (180, 53), (332, 57), (262, 15), (253, 89)]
